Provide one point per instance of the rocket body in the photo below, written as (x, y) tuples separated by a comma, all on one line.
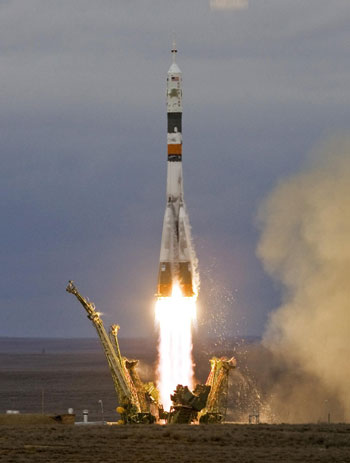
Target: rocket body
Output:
[(176, 256)]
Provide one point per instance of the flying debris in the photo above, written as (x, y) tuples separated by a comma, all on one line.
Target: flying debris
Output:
[(176, 255)]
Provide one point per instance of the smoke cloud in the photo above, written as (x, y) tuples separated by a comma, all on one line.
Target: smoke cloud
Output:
[(305, 247)]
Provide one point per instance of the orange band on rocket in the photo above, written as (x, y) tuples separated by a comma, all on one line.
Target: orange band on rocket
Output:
[(175, 149)]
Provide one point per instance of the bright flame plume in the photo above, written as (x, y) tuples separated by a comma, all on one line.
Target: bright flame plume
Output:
[(174, 316)]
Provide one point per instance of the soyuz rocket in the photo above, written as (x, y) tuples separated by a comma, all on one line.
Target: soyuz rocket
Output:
[(176, 254)]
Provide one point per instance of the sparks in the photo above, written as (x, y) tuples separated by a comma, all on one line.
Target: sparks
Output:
[(174, 315)]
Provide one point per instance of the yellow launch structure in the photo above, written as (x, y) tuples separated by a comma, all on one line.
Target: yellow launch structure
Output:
[(133, 398), (216, 406), (208, 402)]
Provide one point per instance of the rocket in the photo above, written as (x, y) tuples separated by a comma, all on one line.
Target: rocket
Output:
[(176, 254)]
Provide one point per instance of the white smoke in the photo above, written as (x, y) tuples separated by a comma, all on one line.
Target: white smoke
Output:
[(305, 245)]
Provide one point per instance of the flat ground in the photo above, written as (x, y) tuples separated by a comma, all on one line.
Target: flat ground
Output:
[(180, 443), (53, 375)]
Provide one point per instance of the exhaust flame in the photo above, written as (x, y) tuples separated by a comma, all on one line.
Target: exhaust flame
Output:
[(174, 315)]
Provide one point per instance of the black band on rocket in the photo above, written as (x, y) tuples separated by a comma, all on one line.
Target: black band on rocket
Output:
[(174, 120)]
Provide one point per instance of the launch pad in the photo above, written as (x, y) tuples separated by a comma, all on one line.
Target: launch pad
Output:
[(138, 402)]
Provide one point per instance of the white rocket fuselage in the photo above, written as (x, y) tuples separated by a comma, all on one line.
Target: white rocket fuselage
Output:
[(175, 254)]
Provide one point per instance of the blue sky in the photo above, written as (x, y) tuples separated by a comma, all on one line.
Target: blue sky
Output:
[(83, 149)]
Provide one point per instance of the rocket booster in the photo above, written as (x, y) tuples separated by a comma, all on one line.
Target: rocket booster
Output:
[(176, 256)]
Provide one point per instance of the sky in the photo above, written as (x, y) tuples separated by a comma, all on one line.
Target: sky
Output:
[(83, 149)]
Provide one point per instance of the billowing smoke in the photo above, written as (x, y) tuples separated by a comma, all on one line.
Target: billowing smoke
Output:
[(305, 246)]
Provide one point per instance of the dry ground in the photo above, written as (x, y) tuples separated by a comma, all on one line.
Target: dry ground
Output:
[(220, 443), (74, 373)]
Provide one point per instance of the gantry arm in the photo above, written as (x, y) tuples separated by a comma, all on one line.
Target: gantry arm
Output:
[(125, 393), (218, 381)]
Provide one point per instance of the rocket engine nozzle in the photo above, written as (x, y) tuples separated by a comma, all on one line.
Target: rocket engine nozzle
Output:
[(169, 274)]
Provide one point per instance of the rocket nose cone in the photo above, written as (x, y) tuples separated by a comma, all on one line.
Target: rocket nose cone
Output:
[(174, 69)]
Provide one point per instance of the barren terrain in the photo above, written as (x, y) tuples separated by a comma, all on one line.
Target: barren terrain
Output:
[(57, 374), (153, 443)]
